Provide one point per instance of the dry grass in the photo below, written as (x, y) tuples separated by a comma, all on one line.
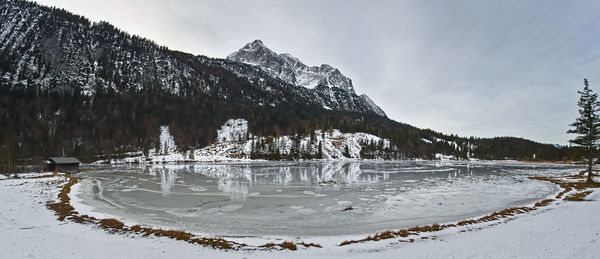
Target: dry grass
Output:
[(284, 245), (64, 210), (310, 244), (380, 236), (111, 224), (566, 186), (569, 186), (497, 215), (215, 243), (584, 185), (543, 203), (577, 196)]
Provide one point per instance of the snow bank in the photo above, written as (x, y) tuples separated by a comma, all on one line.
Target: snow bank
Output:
[(444, 157), (232, 145), (29, 229), (233, 130), (167, 142)]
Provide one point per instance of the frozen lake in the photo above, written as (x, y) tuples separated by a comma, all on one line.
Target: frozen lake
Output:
[(310, 198)]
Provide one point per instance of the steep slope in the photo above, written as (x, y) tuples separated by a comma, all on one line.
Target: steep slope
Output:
[(58, 51), (291, 70), (92, 91), (234, 142)]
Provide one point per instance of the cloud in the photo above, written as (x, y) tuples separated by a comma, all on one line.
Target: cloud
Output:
[(483, 68)]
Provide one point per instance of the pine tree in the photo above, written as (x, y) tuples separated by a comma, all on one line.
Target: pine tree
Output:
[(587, 125), (8, 152), (320, 154)]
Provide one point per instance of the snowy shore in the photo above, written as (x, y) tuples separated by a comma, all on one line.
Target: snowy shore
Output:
[(29, 229)]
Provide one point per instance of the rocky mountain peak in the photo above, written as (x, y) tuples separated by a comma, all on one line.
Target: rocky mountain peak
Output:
[(291, 69)]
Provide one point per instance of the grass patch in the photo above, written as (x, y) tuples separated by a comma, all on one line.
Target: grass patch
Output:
[(64, 210), (566, 186), (290, 245), (284, 245), (310, 245), (543, 203), (380, 236), (111, 224), (577, 196)]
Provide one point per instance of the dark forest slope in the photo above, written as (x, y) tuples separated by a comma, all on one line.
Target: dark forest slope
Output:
[(79, 88)]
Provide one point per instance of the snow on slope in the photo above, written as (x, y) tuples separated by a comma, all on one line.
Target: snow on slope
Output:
[(232, 144), (290, 69), (371, 104), (167, 142), (233, 130)]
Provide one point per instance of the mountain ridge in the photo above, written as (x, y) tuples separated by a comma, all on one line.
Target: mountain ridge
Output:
[(90, 90), (291, 70)]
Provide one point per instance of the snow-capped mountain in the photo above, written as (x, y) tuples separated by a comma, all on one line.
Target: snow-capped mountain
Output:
[(87, 89), (54, 50), (291, 70)]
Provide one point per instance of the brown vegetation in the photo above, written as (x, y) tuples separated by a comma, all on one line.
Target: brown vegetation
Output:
[(290, 245), (64, 210), (543, 203), (111, 224), (567, 187), (577, 196), (284, 245)]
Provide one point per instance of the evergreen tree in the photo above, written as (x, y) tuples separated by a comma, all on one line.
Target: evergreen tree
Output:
[(320, 154), (8, 152), (347, 152), (587, 125)]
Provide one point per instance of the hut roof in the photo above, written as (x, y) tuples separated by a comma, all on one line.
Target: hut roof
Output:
[(65, 160)]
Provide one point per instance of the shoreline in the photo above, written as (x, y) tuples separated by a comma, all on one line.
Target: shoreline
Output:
[(387, 234), (418, 237)]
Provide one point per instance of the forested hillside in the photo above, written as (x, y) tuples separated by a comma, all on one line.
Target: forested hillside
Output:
[(69, 86)]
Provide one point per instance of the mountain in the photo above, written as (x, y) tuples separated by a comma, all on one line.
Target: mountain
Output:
[(291, 70), (59, 51), (70, 86)]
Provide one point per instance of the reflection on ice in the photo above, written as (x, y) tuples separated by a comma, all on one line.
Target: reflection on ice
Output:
[(167, 180), (237, 190), (309, 198)]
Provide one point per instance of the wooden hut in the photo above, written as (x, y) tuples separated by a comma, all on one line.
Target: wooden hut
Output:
[(62, 164)]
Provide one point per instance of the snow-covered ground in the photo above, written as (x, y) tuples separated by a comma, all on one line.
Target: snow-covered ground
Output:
[(235, 143), (561, 230)]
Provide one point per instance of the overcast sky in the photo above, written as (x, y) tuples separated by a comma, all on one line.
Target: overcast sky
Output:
[(472, 68)]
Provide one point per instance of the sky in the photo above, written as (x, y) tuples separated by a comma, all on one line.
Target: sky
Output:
[(472, 68)]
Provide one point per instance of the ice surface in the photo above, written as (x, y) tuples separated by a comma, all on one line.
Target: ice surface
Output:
[(561, 230), (310, 198)]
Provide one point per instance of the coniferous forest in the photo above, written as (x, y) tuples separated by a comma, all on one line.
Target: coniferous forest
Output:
[(73, 87)]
